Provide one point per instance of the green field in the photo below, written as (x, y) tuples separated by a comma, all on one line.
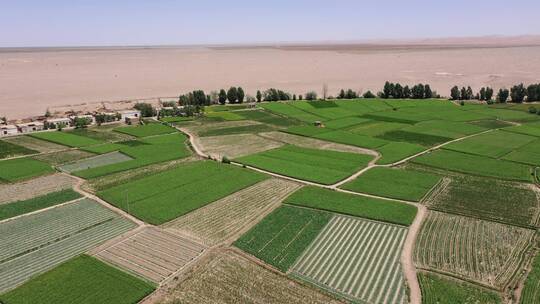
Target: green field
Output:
[(11, 150), (422, 139), (493, 144), (443, 128), (308, 131), (345, 122), (150, 129), (224, 115), (531, 291), (82, 280), (281, 237), (394, 183), (175, 119), (268, 118), (288, 110), (66, 138), (375, 127), (321, 166), (476, 165), (348, 138), (237, 130), (355, 205), (396, 151), (437, 290), (22, 207), (143, 152), (165, 196), (14, 170), (532, 129)]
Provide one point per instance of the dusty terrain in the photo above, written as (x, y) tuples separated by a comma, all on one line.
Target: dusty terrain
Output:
[(34, 79)]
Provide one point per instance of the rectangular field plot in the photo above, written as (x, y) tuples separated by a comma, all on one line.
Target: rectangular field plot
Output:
[(35, 187), (146, 130), (348, 138), (82, 280), (493, 144), (14, 170), (376, 127), (237, 145), (290, 111), (394, 183), (8, 149), (152, 253), (320, 166), (36, 243), (476, 165), (34, 144), (268, 118), (66, 139), (505, 202), (531, 291), (358, 259), (485, 252), (345, 122), (355, 205), (165, 196), (396, 151), (40, 202), (96, 161), (445, 128), (436, 289), (281, 237), (63, 157), (227, 277), (220, 220)]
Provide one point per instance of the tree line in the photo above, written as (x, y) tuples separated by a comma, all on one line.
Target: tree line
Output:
[(398, 91), (517, 94)]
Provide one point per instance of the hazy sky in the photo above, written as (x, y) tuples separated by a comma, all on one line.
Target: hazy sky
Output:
[(138, 22)]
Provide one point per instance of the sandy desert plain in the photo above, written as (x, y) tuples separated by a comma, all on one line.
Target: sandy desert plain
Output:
[(381, 201)]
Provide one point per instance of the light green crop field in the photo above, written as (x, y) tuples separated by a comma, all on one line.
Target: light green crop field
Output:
[(345, 122), (165, 196), (532, 129), (268, 118), (445, 128), (355, 205), (395, 183), (493, 144), (322, 166), (531, 291), (308, 131), (175, 119), (476, 165), (224, 115), (281, 237), (82, 280), (51, 199), (291, 111), (436, 289), (348, 138), (146, 130), (144, 152), (396, 151), (237, 130), (422, 139), (11, 150), (375, 127), (66, 138), (14, 170)]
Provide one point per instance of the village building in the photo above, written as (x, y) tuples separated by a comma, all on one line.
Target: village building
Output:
[(7, 130), (30, 127), (55, 123), (91, 119), (131, 114)]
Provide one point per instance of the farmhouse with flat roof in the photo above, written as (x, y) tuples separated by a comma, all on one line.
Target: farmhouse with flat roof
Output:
[(131, 114), (7, 130), (30, 127)]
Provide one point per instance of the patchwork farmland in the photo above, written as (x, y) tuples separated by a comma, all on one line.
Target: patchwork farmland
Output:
[(363, 201)]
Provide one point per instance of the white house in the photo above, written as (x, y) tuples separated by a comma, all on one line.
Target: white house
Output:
[(56, 122), (30, 127), (130, 114), (7, 130)]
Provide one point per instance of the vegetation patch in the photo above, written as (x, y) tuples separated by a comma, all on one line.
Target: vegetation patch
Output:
[(237, 130), (22, 207), (268, 118), (224, 115), (320, 166), (345, 122), (493, 144), (83, 280), (288, 110), (423, 139), (527, 129), (235, 145), (449, 129), (493, 200), (531, 291), (18, 169), (491, 124), (11, 150), (34, 144), (309, 131), (476, 165), (281, 237), (95, 162), (146, 130), (348, 138), (355, 205), (175, 119), (66, 138), (396, 151), (375, 127), (436, 289), (394, 183), (63, 157), (357, 259), (156, 199), (485, 252)]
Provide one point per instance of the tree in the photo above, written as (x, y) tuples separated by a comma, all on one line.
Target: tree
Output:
[(214, 97), (146, 109), (222, 97), (294, 97), (300, 97), (427, 92), (350, 94), (418, 91), (232, 95), (387, 90), (518, 93), (240, 95), (482, 94), (398, 91), (198, 98), (454, 93), (407, 92), (80, 123), (533, 92), (502, 96), (311, 95), (341, 94), (470, 93), (47, 113), (489, 93), (369, 94), (259, 96), (463, 93)]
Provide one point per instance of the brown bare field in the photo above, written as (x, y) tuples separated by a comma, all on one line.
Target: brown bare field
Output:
[(488, 253), (152, 253), (313, 143), (220, 220), (63, 157), (226, 277), (234, 146), (33, 80), (35, 144), (35, 187)]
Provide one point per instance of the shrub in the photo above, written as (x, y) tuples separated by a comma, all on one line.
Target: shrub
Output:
[(532, 110), (225, 160)]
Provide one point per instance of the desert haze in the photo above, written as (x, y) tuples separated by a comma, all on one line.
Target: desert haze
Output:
[(31, 80)]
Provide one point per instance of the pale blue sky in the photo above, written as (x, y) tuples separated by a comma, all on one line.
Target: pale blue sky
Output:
[(166, 22)]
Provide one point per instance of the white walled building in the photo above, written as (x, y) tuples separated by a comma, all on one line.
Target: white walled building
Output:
[(7, 130), (30, 127)]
